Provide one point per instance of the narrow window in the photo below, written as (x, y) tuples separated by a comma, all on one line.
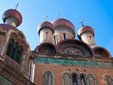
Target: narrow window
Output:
[(91, 80), (11, 42), (47, 78), (46, 35), (108, 80), (74, 79), (83, 80), (66, 79), (91, 40), (13, 51), (55, 39), (64, 36)]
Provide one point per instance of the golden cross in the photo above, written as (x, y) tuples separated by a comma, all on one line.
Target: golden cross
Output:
[(45, 18), (81, 21)]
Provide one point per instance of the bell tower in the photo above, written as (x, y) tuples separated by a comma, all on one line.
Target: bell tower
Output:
[(14, 51)]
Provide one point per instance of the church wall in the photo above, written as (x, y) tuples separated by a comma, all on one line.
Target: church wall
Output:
[(58, 70)]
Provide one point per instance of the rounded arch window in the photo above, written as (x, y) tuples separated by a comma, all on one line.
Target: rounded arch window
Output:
[(14, 51), (74, 79), (91, 79), (83, 79), (108, 80), (66, 79), (47, 78)]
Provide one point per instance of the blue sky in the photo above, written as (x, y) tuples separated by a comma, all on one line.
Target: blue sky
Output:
[(96, 13)]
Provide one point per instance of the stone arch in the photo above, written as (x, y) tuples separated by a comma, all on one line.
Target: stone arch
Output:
[(74, 77), (101, 52), (108, 80), (91, 79), (46, 48), (82, 78), (74, 47), (66, 77)]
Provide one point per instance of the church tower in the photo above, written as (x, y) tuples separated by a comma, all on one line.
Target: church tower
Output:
[(69, 61), (45, 31), (14, 51), (59, 59), (86, 34)]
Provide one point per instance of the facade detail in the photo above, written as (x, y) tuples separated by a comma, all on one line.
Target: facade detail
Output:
[(47, 78), (71, 61), (59, 59), (14, 51)]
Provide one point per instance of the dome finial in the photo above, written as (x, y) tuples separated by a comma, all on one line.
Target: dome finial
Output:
[(16, 6), (45, 18), (81, 21)]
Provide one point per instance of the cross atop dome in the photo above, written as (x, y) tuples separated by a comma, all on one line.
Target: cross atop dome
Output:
[(16, 6), (82, 22)]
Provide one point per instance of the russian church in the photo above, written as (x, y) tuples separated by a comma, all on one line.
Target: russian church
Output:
[(59, 59)]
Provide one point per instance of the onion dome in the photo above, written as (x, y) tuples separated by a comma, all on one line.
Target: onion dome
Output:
[(12, 13), (45, 24), (63, 22), (85, 29)]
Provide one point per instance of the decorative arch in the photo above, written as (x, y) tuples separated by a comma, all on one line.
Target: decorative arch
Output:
[(91, 79), (47, 78), (83, 80), (74, 77), (74, 47), (14, 50), (66, 77), (108, 80), (101, 52), (46, 48)]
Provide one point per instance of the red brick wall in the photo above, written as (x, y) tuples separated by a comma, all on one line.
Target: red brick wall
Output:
[(57, 71)]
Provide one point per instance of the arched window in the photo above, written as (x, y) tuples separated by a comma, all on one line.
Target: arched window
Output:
[(90, 39), (55, 39), (47, 78), (14, 51), (83, 79), (66, 79), (64, 36), (11, 43), (47, 36), (74, 79), (91, 80), (109, 80)]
